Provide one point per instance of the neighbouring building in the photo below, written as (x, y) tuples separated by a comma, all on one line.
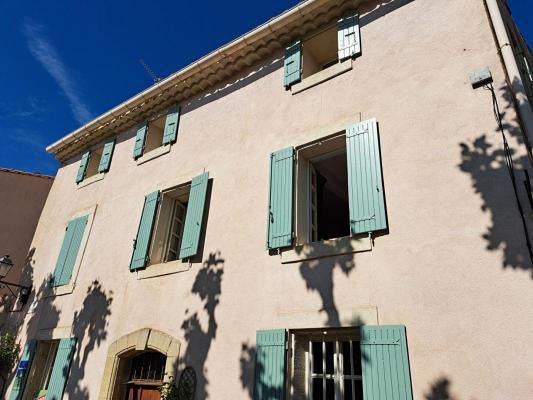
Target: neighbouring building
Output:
[(22, 198), (323, 208)]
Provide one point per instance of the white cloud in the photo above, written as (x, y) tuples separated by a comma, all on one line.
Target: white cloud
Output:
[(45, 53)]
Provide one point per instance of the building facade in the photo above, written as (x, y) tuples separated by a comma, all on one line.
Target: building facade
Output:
[(323, 208), (22, 198)]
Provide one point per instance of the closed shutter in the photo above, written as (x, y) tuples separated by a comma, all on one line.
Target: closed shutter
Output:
[(22, 370), (83, 166), (365, 182), (171, 125), (270, 365), (349, 37), (60, 371), (144, 233), (139, 140), (194, 217), (385, 363), (293, 64), (280, 200), (107, 154), (69, 251)]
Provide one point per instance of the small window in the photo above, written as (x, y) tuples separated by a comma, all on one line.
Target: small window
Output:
[(41, 370), (319, 52), (168, 230), (154, 135), (322, 191), (94, 161), (327, 365)]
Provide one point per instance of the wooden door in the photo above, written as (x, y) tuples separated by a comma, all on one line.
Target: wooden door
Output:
[(136, 392)]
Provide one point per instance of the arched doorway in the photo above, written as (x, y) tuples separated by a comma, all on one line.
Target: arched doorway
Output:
[(137, 364), (146, 375)]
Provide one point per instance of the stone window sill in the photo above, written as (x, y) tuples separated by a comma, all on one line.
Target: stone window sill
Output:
[(322, 76), (162, 269), (326, 248), (91, 179), (60, 290), (153, 154)]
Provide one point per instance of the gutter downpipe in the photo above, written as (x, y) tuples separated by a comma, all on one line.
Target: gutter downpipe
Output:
[(513, 73)]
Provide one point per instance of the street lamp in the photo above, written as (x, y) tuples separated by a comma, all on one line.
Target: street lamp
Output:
[(5, 266)]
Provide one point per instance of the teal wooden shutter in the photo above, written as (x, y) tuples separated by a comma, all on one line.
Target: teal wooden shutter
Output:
[(385, 363), (194, 217), (61, 368), (293, 64), (83, 166), (171, 125), (107, 154), (139, 140), (141, 244), (280, 200), (365, 181), (23, 368), (270, 365), (69, 251), (348, 37)]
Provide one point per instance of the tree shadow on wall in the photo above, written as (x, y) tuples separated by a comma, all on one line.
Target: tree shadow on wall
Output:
[(485, 163), (90, 329), (207, 285)]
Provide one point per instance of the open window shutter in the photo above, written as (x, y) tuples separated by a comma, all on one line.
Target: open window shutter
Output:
[(107, 154), (171, 125), (83, 166), (365, 182), (270, 365), (139, 140), (385, 363), (22, 370), (194, 217), (292, 64), (144, 233), (349, 36), (69, 251), (60, 371), (280, 199)]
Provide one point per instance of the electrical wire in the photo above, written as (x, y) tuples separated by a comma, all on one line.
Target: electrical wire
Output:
[(510, 165)]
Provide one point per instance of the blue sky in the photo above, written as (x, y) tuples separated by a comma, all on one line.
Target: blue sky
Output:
[(66, 62)]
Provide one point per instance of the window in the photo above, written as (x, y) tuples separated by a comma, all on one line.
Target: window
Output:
[(332, 363), (155, 134), (48, 369), (333, 367), (95, 161), (319, 52), (322, 194), (39, 379), (171, 224), (327, 189), (322, 53)]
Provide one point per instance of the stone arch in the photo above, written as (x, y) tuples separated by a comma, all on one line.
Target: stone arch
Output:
[(134, 342)]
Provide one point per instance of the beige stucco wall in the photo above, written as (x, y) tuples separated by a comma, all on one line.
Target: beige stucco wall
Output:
[(453, 269), (22, 199)]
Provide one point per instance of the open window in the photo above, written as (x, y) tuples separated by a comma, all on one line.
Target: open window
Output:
[(95, 163), (155, 136), (328, 189), (170, 222), (322, 191), (170, 227), (319, 52), (41, 371), (322, 54)]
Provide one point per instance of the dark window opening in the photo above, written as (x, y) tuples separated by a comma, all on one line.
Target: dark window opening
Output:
[(329, 197), (149, 366)]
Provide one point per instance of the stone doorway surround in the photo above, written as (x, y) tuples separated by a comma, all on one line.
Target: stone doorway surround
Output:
[(140, 340)]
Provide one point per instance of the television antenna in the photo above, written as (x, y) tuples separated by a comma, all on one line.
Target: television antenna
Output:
[(149, 71)]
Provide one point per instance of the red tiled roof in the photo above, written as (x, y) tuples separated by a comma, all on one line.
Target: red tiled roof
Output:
[(15, 171)]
